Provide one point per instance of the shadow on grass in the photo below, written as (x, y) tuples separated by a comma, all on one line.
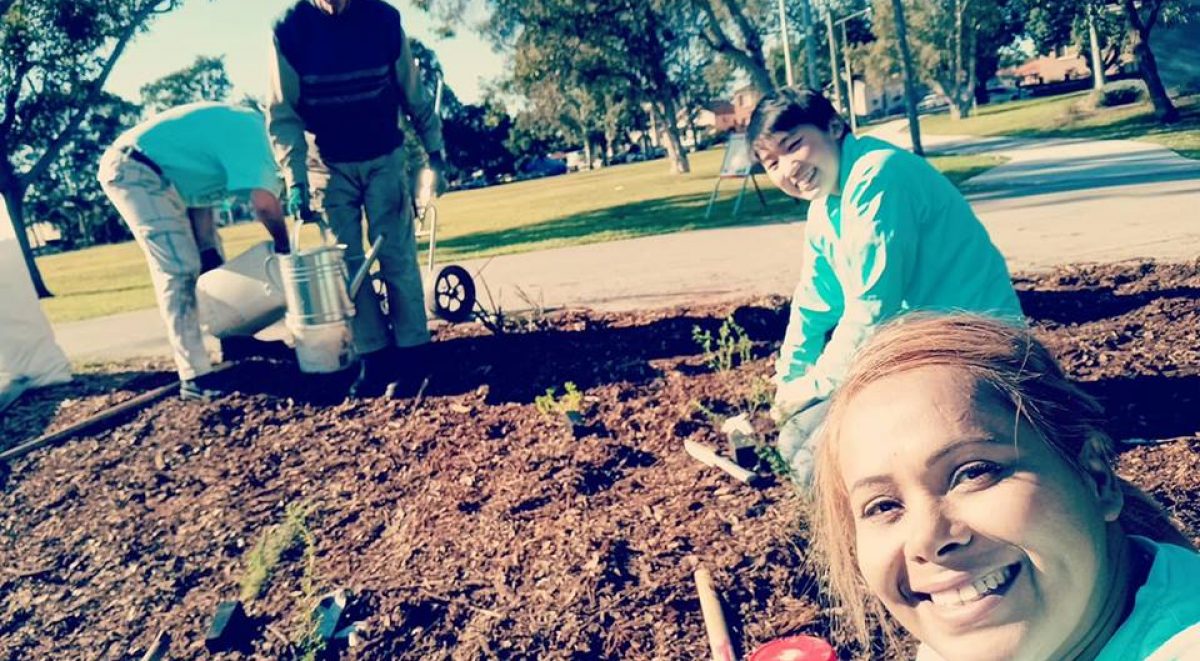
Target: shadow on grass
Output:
[(1133, 128), (645, 218)]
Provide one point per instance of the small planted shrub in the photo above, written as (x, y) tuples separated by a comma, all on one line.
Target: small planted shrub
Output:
[(730, 348), (1119, 94), (551, 404)]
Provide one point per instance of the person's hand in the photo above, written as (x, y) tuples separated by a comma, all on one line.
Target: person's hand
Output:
[(779, 414), (785, 405), (299, 203), (437, 163)]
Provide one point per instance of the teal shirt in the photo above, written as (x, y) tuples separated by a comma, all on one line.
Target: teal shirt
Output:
[(899, 237), (1166, 604), (208, 151)]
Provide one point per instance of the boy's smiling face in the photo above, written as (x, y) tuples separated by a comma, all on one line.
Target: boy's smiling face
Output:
[(803, 162)]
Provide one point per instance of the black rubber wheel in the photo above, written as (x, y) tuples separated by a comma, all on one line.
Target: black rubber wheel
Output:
[(454, 294)]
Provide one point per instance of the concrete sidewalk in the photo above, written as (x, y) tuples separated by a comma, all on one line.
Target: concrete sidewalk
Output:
[(1063, 200), (1055, 202)]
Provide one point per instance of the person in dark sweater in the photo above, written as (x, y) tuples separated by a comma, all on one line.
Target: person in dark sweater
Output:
[(343, 71)]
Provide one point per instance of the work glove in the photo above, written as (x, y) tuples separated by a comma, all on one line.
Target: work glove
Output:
[(790, 400), (299, 203)]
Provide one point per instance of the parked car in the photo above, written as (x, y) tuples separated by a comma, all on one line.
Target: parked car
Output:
[(542, 166), (1001, 94), (933, 102)]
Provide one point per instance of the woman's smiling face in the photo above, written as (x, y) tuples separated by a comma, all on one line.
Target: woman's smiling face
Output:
[(979, 539), (803, 162)]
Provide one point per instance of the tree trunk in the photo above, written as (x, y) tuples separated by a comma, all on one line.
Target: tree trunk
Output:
[(675, 153), (962, 76), (16, 214), (910, 92), (1164, 110), (750, 60), (1094, 44)]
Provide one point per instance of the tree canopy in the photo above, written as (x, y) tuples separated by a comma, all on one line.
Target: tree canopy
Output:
[(54, 60)]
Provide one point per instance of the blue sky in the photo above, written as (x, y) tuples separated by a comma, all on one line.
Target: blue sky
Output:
[(240, 30)]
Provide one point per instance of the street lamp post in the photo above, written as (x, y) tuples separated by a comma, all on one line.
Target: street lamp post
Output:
[(833, 59), (849, 72)]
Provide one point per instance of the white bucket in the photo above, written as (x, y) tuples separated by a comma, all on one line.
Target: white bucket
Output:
[(323, 348), (240, 297)]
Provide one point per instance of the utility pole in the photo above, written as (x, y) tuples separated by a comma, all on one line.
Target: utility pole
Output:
[(849, 79), (810, 45), (787, 49)]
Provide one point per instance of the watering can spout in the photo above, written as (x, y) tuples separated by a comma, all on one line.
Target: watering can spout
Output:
[(360, 276)]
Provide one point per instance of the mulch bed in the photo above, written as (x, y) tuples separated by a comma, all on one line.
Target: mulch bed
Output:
[(469, 524)]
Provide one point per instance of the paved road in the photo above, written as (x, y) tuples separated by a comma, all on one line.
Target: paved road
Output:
[(1054, 202)]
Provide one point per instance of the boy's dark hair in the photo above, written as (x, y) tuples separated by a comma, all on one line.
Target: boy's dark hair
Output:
[(787, 108)]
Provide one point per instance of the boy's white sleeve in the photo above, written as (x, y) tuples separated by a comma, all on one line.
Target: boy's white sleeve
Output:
[(816, 307), (879, 244)]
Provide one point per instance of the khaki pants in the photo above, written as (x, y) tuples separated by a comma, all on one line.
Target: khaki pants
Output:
[(378, 187), (157, 216)]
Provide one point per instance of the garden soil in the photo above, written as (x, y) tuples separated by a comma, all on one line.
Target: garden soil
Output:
[(470, 522)]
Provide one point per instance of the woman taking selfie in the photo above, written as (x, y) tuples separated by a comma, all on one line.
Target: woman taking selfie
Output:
[(965, 487)]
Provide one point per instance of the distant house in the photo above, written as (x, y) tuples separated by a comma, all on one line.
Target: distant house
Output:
[(712, 119), (1065, 64), (743, 102), (878, 100)]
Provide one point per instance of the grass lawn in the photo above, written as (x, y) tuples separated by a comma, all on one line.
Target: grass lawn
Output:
[(619, 202), (1065, 116)]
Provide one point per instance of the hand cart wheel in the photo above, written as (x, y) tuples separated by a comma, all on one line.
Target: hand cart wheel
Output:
[(454, 294)]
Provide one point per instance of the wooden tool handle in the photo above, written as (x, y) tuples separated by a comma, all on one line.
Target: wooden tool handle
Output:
[(709, 457), (714, 619)]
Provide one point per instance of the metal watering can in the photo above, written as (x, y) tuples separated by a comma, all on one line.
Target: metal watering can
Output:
[(320, 301)]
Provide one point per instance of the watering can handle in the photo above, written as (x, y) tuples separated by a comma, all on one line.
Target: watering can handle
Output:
[(271, 281), (297, 224), (361, 275)]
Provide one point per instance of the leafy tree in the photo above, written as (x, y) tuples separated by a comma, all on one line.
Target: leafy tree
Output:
[(1143, 16), (54, 60), (204, 80), (69, 195), (946, 38), (1052, 24), (730, 28), (476, 138), (574, 59)]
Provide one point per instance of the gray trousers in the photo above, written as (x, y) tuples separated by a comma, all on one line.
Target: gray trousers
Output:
[(157, 216), (379, 187)]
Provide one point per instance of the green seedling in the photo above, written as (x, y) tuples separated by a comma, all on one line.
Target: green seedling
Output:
[(550, 403), (770, 456), (730, 348), (269, 551)]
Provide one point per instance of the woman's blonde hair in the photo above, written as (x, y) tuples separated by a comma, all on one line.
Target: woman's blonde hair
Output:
[(1021, 371)]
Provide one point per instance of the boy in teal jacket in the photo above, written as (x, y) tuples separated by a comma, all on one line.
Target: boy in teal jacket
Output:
[(886, 233)]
